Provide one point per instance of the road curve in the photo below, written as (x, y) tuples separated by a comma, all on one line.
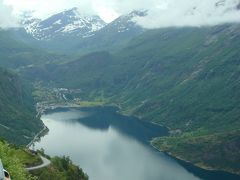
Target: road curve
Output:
[(45, 163)]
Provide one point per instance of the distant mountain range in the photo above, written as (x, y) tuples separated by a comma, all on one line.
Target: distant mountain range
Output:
[(71, 31)]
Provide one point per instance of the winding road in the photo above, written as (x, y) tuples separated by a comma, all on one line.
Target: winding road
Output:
[(45, 163)]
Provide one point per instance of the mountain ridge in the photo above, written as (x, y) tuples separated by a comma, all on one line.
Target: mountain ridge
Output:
[(66, 23), (70, 32)]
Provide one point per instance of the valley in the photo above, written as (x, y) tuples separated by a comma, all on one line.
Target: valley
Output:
[(186, 79), (189, 91)]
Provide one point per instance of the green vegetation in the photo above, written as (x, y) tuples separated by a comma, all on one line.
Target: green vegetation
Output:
[(15, 54), (42, 94), (184, 78), (215, 151), (61, 169), (18, 122), (59, 96), (14, 160), (90, 103)]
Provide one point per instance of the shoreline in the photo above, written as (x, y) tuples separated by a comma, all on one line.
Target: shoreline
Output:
[(53, 107), (202, 167), (37, 136), (45, 128)]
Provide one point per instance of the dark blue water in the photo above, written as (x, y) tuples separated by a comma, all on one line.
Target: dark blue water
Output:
[(109, 146)]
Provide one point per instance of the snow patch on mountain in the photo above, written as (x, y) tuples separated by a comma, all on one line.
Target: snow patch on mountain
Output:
[(58, 22), (127, 22), (70, 23)]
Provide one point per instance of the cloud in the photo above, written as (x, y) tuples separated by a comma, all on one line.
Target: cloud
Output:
[(7, 19), (191, 13), (161, 13), (44, 8), (168, 13)]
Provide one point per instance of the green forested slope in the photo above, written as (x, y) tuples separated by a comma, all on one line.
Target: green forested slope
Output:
[(18, 123), (15, 53), (184, 78)]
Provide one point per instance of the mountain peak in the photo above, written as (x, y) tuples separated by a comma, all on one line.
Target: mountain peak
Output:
[(127, 22), (68, 22)]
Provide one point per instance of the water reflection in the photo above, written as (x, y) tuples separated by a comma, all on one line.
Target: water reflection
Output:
[(109, 146)]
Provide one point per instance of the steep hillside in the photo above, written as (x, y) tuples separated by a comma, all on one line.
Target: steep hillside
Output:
[(15, 53), (183, 71), (184, 78), (9, 48), (18, 122)]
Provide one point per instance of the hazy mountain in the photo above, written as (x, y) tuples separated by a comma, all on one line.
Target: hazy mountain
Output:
[(18, 50), (72, 32), (124, 24), (115, 34)]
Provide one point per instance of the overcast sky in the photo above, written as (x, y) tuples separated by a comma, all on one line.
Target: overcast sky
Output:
[(162, 13)]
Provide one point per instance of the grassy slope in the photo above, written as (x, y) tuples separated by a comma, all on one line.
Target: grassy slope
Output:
[(15, 160), (61, 169), (18, 123)]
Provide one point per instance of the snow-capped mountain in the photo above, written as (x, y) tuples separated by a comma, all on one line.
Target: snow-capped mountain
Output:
[(70, 31), (118, 32), (66, 23), (126, 22)]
